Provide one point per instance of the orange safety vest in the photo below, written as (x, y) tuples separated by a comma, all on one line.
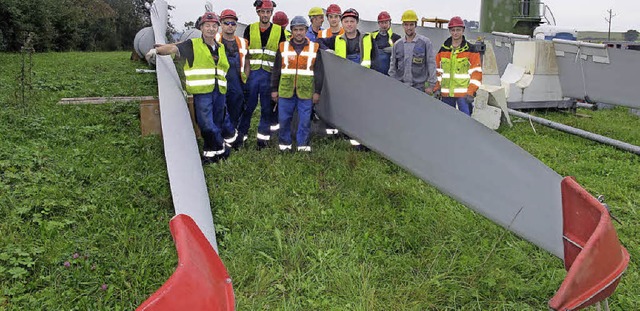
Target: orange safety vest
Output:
[(297, 70), (326, 33), (242, 51), (459, 70)]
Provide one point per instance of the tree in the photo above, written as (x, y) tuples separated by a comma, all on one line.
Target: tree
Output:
[(63, 25), (631, 35)]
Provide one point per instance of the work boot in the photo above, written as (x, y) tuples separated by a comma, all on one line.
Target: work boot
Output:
[(285, 148), (305, 149), (262, 144), (239, 142), (208, 160), (229, 141), (225, 155), (332, 132)]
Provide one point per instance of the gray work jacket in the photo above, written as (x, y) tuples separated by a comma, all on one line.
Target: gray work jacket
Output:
[(414, 63)]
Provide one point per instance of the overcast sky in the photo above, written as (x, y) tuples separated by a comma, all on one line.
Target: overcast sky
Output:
[(582, 15)]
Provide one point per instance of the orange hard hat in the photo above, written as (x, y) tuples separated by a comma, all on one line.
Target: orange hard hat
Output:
[(384, 16), (280, 18), (334, 9), (228, 13), (456, 21)]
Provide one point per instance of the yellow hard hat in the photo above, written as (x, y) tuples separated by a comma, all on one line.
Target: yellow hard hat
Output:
[(316, 11), (409, 16)]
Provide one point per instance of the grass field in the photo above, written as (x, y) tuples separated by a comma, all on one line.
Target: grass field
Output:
[(85, 205)]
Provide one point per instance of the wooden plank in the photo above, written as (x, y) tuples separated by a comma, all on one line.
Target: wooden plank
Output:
[(150, 121), (102, 100)]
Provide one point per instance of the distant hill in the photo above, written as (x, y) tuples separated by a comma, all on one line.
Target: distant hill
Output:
[(598, 36)]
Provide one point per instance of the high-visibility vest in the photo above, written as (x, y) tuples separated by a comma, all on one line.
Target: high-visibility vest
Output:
[(242, 44), (287, 34), (297, 70), (377, 32), (263, 57), (459, 71), (327, 33), (365, 48), (202, 76)]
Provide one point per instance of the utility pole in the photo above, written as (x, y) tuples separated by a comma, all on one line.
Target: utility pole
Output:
[(611, 16)]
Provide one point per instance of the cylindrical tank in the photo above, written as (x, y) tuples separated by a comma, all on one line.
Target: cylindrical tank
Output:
[(143, 41), (189, 34), (515, 16)]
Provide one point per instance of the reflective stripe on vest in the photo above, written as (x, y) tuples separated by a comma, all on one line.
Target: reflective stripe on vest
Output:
[(365, 48), (263, 57), (242, 44), (390, 33), (327, 33), (297, 70), (455, 73), (202, 76)]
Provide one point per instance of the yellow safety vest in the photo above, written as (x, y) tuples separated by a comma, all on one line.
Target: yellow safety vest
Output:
[(202, 76), (263, 57), (375, 34), (365, 48)]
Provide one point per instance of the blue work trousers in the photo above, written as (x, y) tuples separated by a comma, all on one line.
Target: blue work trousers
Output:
[(354, 58), (259, 86), (383, 62), (235, 93), (287, 106), (461, 102), (213, 119)]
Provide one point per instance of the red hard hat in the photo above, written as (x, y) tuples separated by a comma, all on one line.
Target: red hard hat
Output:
[(228, 13), (209, 17), (264, 4), (456, 21), (384, 16), (351, 13), (334, 9), (280, 18)]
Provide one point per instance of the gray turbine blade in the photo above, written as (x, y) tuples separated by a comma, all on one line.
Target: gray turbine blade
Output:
[(606, 75), (186, 177), (449, 150)]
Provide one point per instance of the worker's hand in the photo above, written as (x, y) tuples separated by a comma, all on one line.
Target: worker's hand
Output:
[(388, 49), (330, 51), (316, 98), (151, 56), (429, 90), (274, 96), (469, 99), (437, 94)]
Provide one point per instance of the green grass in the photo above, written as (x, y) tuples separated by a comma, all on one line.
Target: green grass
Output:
[(330, 230)]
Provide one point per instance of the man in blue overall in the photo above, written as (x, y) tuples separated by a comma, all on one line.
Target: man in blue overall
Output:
[(205, 69), (264, 38), (237, 51), (384, 39), (354, 46)]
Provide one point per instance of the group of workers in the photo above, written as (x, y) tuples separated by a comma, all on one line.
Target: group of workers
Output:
[(282, 70)]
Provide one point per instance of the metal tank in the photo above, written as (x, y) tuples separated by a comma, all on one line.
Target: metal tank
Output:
[(514, 16)]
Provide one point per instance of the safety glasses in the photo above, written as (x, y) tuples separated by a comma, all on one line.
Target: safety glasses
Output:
[(230, 23)]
